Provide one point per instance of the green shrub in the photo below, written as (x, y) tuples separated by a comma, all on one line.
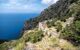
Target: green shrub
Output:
[(58, 26), (77, 25), (66, 33), (34, 36), (3, 47), (51, 23), (71, 33)]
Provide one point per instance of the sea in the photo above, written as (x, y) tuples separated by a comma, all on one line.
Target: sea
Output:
[(11, 25)]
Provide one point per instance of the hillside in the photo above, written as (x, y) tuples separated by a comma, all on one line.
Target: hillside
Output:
[(44, 37), (60, 10), (56, 28)]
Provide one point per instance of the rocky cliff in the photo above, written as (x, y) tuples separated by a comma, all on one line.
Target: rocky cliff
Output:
[(59, 10)]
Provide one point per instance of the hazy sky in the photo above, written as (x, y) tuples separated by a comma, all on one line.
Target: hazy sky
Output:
[(24, 6)]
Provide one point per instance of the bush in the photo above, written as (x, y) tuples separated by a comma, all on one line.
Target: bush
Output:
[(3, 47), (51, 23), (34, 36), (77, 25), (58, 26), (66, 34)]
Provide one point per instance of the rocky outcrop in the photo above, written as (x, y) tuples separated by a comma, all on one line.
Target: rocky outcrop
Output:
[(42, 26)]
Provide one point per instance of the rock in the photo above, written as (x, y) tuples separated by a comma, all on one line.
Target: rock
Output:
[(42, 26)]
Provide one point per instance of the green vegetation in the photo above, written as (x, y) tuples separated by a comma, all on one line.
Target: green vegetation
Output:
[(77, 25), (58, 26), (15, 44), (67, 33), (19, 44), (3, 47), (72, 32), (34, 36), (52, 22), (63, 19), (55, 42)]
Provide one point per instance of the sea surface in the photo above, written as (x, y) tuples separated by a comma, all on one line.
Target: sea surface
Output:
[(12, 24)]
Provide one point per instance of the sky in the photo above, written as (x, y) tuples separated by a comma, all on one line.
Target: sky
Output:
[(24, 6)]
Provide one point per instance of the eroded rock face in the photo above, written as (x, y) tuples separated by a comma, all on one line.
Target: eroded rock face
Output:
[(42, 26)]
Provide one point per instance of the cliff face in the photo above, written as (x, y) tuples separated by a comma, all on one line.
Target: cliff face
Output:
[(61, 8), (58, 10)]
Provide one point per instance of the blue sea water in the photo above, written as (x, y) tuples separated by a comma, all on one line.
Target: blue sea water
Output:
[(12, 24)]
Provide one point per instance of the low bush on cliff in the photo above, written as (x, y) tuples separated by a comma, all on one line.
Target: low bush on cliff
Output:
[(58, 26), (52, 22), (77, 25), (34, 36)]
